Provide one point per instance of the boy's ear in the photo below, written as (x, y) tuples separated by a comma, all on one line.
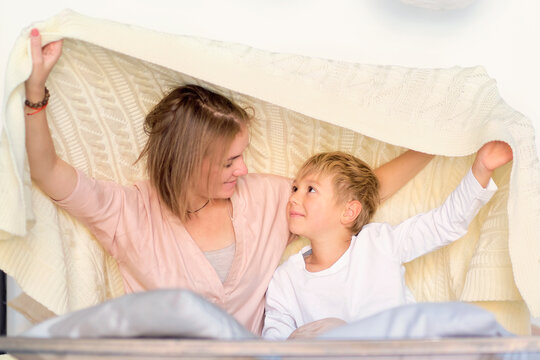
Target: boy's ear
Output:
[(351, 211)]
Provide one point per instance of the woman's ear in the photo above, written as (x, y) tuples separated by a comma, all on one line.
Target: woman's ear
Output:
[(351, 211)]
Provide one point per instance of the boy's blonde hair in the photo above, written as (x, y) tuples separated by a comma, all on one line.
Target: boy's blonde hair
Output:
[(352, 178)]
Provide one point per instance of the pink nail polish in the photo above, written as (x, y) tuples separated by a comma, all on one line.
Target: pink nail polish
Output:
[(34, 32)]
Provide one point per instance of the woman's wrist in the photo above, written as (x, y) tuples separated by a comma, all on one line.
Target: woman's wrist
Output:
[(35, 93)]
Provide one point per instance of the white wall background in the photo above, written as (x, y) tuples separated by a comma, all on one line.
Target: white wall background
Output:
[(501, 35)]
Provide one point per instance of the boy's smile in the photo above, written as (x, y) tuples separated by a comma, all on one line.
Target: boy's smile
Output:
[(294, 213)]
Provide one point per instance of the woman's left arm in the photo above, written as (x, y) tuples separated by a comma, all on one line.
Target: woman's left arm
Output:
[(397, 172)]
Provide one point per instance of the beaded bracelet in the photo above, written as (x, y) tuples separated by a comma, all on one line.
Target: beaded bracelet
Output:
[(38, 110), (41, 103), (39, 106)]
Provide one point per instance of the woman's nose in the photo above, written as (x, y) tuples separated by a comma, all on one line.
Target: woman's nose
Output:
[(241, 168)]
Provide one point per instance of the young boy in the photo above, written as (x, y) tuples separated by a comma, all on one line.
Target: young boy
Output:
[(354, 269)]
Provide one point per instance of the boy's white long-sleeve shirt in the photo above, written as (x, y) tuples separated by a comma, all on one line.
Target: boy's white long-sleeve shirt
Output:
[(369, 276)]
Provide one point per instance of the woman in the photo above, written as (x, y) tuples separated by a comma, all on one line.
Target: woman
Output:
[(201, 222)]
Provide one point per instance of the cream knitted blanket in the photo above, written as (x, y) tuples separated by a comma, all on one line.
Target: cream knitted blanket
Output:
[(111, 74)]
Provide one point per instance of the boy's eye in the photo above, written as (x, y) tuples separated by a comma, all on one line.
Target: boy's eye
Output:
[(294, 188), (311, 189)]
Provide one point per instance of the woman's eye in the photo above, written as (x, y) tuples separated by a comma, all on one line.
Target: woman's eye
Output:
[(294, 189), (228, 165), (311, 189)]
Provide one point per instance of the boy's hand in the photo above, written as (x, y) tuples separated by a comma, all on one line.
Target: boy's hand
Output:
[(490, 156)]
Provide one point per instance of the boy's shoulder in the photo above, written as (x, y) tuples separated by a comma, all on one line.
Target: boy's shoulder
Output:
[(372, 230), (377, 236), (294, 263)]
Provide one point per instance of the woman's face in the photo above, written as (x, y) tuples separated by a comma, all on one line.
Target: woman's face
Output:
[(222, 177)]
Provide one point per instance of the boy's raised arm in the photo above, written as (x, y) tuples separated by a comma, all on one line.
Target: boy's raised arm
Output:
[(426, 232), (397, 172)]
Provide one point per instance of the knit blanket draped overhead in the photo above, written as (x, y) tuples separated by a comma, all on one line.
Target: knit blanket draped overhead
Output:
[(110, 75)]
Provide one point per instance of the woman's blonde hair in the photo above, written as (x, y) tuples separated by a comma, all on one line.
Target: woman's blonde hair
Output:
[(352, 178), (188, 125)]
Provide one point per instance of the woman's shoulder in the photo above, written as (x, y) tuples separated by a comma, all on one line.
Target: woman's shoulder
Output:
[(144, 187), (133, 195), (263, 189)]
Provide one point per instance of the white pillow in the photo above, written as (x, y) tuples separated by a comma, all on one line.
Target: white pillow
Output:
[(174, 313), (421, 321)]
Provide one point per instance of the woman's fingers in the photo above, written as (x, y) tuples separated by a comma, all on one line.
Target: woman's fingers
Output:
[(35, 47), (51, 53), (43, 58)]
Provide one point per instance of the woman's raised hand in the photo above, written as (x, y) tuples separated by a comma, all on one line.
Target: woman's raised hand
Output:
[(53, 175), (43, 60)]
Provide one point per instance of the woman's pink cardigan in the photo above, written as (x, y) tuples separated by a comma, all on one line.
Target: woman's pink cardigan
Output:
[(154, 250)]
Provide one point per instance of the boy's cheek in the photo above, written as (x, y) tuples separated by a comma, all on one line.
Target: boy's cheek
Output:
[(294, 226)]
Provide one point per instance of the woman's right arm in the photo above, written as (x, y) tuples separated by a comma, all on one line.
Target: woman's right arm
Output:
[(54, 176), (399, 171)]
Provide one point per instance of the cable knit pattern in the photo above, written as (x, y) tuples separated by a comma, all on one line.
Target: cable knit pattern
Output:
[(110, 75)]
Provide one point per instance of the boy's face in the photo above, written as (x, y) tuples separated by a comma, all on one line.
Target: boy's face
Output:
[(312, 210)]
